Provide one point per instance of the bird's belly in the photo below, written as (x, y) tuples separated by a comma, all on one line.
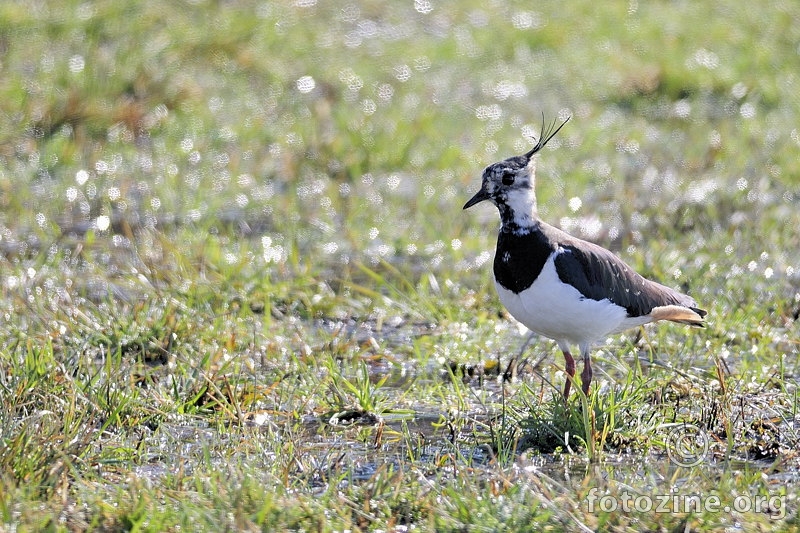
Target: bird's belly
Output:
[(559, 311)]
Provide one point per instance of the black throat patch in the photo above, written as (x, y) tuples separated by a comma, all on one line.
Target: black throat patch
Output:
[(520, 257)]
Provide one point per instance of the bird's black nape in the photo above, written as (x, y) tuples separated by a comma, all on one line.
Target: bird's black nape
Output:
[(546, 134)]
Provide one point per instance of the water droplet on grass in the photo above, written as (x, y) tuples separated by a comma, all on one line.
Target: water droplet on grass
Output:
[(306, 84), (103, 222)]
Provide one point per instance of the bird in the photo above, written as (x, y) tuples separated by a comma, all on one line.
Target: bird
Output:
[(572, 291)]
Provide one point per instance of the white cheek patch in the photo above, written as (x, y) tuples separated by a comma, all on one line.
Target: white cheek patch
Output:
[(523, 203)]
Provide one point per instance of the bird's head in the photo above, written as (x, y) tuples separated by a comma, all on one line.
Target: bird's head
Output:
[(509, 184)]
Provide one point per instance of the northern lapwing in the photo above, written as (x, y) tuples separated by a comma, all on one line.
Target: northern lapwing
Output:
[(561, 287)]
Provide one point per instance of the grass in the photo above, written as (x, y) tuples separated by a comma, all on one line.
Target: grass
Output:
[(237, 289)]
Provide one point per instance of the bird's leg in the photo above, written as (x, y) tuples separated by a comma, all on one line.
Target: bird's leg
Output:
[(569, 368), (586, 375)]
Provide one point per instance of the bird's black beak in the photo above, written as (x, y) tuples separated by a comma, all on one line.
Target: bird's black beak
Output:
[(480, 196)]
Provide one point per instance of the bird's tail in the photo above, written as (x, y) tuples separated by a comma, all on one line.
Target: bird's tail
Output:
[(678, 313)]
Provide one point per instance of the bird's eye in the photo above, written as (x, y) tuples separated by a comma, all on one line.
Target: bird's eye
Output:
[(508, 179)]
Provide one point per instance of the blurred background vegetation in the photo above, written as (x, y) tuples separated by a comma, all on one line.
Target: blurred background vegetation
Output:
[(353, 132)]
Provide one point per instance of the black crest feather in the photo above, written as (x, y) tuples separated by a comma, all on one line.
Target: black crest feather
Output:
[(548, 132)]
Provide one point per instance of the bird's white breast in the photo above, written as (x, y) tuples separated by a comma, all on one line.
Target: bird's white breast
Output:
[(559, 311)]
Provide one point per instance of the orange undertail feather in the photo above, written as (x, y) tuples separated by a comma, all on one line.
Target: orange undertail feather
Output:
[(678, 313)]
